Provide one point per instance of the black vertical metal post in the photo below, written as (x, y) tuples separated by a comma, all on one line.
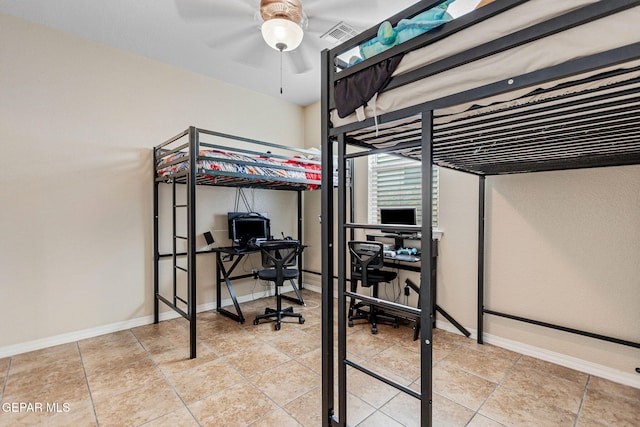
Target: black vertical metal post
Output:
[(300, 263), (342, 274), (326, 218), (191, 239), (156, 251), (426, 287), (174, 231), (481, 248)]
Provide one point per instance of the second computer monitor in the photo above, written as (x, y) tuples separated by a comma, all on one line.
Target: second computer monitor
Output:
[(397, 216)]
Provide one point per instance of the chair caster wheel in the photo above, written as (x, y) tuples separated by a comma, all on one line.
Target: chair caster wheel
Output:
[(301, 320), (351, 323), (374, 331), (255, 322), (278, 326), (395, 326)]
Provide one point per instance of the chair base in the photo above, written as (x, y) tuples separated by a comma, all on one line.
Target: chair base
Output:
[(373, 316), (278, 314)]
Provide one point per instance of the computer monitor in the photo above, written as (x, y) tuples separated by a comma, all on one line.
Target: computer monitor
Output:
[(246, 225), (397, 216)]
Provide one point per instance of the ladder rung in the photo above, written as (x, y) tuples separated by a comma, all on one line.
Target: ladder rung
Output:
[(180, 206), (180, 237), (181, 268), (180, 299)]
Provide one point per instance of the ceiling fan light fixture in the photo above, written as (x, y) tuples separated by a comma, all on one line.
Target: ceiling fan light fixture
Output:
[(282, 34)]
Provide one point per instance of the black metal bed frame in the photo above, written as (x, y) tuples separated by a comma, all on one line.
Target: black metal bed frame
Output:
[(192, 176), (427, 146)]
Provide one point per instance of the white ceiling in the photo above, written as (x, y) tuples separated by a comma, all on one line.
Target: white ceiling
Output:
[(210, 37)]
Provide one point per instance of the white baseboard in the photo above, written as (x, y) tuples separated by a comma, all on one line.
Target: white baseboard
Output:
[(630, 379), (12, 350)]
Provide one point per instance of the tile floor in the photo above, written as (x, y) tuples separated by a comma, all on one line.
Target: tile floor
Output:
[(248, 375)]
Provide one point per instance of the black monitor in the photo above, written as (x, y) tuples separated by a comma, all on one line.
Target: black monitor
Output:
[(397, 216), (246, 225)]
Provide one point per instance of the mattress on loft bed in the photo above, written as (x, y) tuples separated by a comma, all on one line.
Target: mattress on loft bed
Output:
[(597, 36), (581, 120), (217, 163)]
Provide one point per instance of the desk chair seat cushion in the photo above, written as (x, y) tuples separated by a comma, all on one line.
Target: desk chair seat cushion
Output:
[(271, 274), (375, 276)]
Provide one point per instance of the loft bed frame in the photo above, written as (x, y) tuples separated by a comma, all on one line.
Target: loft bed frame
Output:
[(568, 112), (187, 159)]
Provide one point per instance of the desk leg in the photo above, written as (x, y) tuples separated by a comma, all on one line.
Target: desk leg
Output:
[(299, 300), (436, 307), (223, 275)]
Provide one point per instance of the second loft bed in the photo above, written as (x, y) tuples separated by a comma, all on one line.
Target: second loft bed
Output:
[(200, 157), (572, 112)]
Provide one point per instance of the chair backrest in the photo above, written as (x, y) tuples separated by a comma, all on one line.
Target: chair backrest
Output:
[(366, 255), (280, 253)]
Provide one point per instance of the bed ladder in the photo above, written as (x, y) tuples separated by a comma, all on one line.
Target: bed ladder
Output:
[(175, 301)]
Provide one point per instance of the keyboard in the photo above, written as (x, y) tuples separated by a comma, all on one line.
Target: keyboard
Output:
[(407, 258)]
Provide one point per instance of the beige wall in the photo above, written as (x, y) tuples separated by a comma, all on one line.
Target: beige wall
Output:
[(77, 124)]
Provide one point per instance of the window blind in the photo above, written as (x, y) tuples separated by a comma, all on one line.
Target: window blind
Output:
[(395, 181)]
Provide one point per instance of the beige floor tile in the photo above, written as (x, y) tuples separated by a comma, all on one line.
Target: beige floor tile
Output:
[(371, 390), (293, 343), (136, 406), (400, 360), (517, 409), (460, 386), (205, 379), (259, 358), (482, 421), (613, 388), (307, 409), (553, 369), (546, 387), (178, 418), (610, 408), (286, 382), (239, 405), (486, 365), (110, 343), (585, 422), (226, 344), (357, 410), (379, 419), (312, 360), (366, 345), (276, 418), (493, 350), (67, 353), (124, 377), (179, 360)]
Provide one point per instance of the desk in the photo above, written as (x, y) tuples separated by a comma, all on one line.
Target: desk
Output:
[(416, 266), (224, 275)]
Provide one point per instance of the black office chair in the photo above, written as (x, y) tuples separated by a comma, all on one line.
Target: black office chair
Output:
[(277, 257), (367, 260)]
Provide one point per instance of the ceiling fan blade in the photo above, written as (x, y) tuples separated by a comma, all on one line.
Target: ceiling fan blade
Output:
[(340, 8), (249, 49), (297, 61), (215, 9), (231, 40)]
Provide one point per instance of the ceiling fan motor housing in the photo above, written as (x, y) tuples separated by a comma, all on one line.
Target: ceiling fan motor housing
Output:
[(284, 9)]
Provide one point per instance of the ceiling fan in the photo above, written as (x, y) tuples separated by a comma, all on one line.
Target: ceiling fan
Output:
[(246, 29)]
